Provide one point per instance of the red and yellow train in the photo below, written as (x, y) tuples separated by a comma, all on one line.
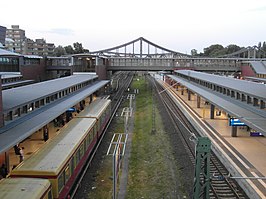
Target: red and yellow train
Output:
[(62, 159)]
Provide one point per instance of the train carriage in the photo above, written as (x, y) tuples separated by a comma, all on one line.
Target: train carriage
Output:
[(99, 109), (25, 188), (61, 159)]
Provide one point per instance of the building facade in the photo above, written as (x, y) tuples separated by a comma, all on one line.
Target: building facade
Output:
[(19, 43), (38, 47), (2, 35), (17, 37)]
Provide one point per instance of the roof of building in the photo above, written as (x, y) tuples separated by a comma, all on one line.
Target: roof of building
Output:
[(32, 56), (19, 96), (22, 128), (17, 83), (6, 75), (254, 118), (259, 66), (8, 53), (248, 87)]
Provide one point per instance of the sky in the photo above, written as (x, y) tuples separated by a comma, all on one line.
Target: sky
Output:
[(178, 25)]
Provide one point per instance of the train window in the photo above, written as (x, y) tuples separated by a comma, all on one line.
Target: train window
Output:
[(72, 166), (95, 129), (90, 137), (61, 182), (67, 173), (77, 157), (81, 150), (86, 142), (50, 194), (75, 160)]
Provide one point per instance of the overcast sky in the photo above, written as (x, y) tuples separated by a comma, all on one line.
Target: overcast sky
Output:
[(174, 24)]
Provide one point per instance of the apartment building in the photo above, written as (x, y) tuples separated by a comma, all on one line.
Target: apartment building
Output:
[(19, 43), (38, 47), (18, 36), (2, 35)]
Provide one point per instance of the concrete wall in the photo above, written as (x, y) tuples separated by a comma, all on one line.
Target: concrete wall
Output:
[(35, 72), (101, 72)]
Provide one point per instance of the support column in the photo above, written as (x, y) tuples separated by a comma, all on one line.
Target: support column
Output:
[(262, 104), (255, 102), (243, 97), (248, 99), (182, 90), (188, 95), (234, 131), (198, 101), (212, 111)]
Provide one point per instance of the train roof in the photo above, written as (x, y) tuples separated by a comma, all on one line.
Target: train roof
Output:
[(95, 109), (23, 188), (52, 157)]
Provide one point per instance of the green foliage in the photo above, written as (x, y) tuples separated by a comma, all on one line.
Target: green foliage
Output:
[(69, 49), (214, 50), (78, 48), (217, 50), (232, 48), (59, 51), (194, 52)]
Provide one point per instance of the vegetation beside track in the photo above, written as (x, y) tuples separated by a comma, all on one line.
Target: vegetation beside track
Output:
[(153, 169)]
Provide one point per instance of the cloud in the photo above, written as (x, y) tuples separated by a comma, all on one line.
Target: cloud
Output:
[(258, 9), (62, 31)]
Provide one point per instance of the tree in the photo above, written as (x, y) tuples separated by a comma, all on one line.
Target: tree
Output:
[(69, 49), (259, 45), (194, 52), (214, 50), (264, 49), (232, 48), (59, 51), (78, 48)]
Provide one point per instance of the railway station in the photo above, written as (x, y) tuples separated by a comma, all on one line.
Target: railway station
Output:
[(46, 100)]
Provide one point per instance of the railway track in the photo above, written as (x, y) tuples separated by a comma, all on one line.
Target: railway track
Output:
[(221, 186), (125, 80)]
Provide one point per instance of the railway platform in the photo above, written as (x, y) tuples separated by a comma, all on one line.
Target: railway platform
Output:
[(34, 142), (31, 145), (248, 150)]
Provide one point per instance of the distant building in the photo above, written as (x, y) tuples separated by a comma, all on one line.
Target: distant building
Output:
[(18, 36), (17, 42), (2, 35), (38, 47)]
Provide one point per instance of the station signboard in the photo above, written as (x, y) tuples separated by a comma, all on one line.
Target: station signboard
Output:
[(236, 122)]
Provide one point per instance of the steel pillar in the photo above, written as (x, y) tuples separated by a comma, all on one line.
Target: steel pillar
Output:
[(234, 131), (212, 111), (198, 101), (202, 169)]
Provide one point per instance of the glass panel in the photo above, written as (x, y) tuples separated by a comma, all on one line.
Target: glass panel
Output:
[(72, 165), (67, 173), (81, 151), (61, 182), (50, 195)]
